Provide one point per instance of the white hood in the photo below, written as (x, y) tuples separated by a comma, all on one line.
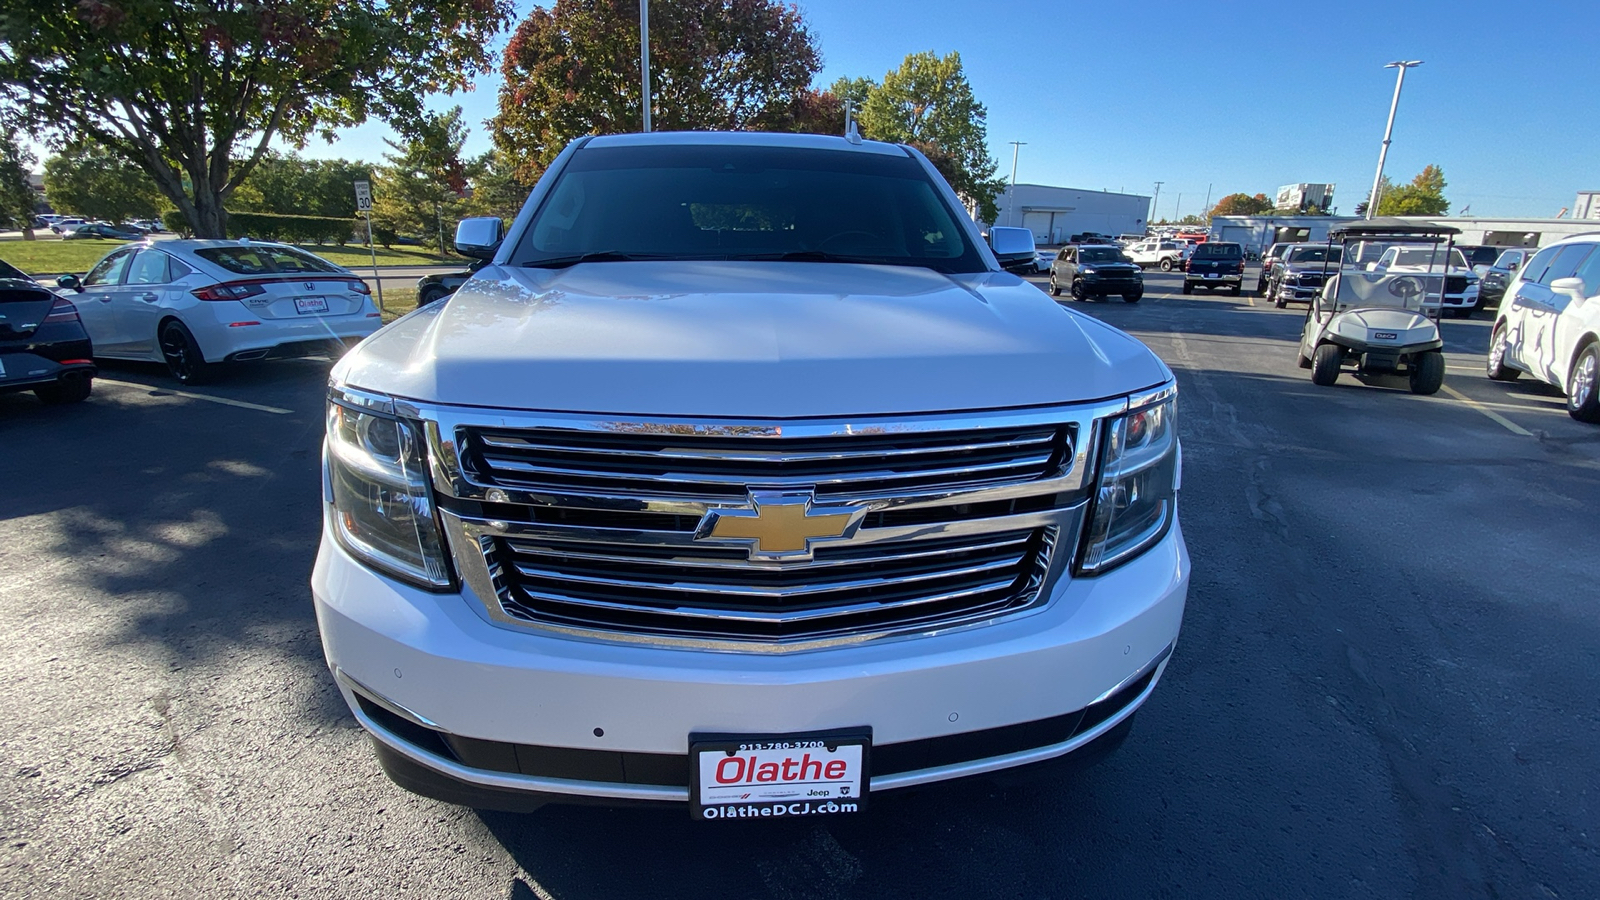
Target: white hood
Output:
[(748, 339)]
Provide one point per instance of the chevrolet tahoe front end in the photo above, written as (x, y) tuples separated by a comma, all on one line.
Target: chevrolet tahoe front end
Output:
[(627, 525)]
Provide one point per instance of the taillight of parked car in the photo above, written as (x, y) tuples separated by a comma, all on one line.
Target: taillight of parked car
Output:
[(360, 287), (231, 291), (1241, 267), (62, 311)]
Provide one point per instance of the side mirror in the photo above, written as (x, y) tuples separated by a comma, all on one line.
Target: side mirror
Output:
[(479, 237), (1572, 287), (1009, 241), (70, 282)]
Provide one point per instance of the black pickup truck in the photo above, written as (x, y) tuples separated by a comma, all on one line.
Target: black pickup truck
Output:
[(1214, 265)]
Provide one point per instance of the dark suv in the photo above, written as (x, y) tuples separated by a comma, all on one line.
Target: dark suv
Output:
[(1096, 270), (440, 286), (1214, 265)]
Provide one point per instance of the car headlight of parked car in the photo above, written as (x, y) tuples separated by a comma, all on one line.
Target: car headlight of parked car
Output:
[(378, 486), (1087, 270), (1136, 498)]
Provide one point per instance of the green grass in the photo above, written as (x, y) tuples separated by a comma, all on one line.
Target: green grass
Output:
[(397, 301), (54, 256)]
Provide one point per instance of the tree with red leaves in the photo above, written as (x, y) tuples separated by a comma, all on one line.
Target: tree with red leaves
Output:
[(728, 65), (193, 93)]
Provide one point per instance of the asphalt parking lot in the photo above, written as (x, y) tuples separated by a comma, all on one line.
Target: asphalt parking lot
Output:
[(1386, 686)]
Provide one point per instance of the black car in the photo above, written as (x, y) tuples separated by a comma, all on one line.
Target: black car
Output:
[(43, 347), (1214, 264), (1096, 270), (113, 232), (1300, 271), (438, 287), (1493, 286)]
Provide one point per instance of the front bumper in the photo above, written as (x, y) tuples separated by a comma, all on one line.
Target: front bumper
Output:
[(488, 700)]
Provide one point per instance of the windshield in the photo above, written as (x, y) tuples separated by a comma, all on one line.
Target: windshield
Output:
[(1481, 256), (1422, 257), (261, 259), (1218, 251), (1100, 254), (746, 203), (1315, 254)]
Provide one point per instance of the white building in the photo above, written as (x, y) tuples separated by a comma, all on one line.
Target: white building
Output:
[(1587, 206), (1055, 214)]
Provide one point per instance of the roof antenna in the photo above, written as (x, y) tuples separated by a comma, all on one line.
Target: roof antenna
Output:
[(851, 134)]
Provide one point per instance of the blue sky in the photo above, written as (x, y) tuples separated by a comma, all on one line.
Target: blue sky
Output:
[(1240, 96)]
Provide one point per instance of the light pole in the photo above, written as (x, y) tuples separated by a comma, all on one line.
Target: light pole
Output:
[(1388, 131), (1011, 198), (644, 58), (1151, 221)]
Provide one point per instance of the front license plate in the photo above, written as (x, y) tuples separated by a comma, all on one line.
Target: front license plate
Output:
[(779, 775), (306, 305), (1211, 275)]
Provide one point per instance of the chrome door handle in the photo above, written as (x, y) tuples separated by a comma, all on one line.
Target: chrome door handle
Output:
[(149, 297)]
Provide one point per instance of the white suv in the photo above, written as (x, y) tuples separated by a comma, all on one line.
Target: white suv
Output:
[(744, 478), (1549, 323), (197, 304)]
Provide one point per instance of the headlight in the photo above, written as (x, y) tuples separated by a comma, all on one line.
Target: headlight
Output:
[(1086, 270), (378, 486), (1136, 498)]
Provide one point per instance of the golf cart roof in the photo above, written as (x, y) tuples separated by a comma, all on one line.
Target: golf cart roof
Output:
[(1391, 225)]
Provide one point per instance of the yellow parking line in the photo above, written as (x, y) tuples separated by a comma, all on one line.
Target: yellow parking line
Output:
[(241, 404), (1509, 425)]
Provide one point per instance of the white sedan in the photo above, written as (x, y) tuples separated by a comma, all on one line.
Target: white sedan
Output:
[(198, 304), (1549, 324), (1042, 259)]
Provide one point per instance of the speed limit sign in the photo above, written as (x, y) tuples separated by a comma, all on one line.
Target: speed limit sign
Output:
[(363, 196)]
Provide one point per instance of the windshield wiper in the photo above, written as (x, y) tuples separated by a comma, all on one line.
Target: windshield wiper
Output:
[(562, 262), (810, 256)]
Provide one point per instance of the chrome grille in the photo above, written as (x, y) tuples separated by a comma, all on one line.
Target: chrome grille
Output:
[(612, 464), (602, 528), (714, 592)]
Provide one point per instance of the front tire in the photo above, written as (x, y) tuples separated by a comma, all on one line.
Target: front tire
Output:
[(183, 356), (1325, 364), (1497, 368), (430, 296), (1133, 298), (1077, 290), (1235, 290), (1583, 386), (1188, 288), (1427, 373), (74, 391)]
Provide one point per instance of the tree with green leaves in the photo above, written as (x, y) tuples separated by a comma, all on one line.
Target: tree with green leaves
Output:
[(495, 189), (423, 187), (929, 104), (18, 201), (1424, 196), (88, 180), (289, 184), (727, 65), (1242, 204), (193, 93)]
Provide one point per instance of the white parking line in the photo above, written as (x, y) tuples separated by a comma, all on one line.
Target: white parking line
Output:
[(241, 404), (1509, 425)]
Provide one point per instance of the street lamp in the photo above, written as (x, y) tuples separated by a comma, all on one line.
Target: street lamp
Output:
[(1388, 131), (1011, 205), (644, 58)]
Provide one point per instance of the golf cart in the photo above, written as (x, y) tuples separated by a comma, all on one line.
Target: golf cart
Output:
[(1372, 320)]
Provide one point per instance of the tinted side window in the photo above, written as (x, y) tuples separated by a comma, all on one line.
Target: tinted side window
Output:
[(1590, 273), (149, 267), (109, 270), (1539, 263), (1566, 262)]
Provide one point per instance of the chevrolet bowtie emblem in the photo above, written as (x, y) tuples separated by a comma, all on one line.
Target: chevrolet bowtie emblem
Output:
[(779, 525)]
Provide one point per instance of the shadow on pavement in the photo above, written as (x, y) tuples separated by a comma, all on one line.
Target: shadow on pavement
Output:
[(185, 525)]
